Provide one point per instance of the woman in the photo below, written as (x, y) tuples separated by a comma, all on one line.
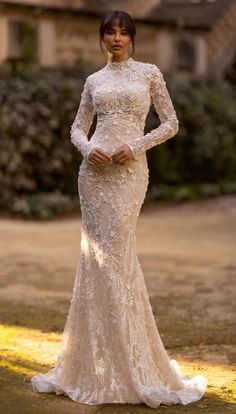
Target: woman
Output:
[(111, 349)]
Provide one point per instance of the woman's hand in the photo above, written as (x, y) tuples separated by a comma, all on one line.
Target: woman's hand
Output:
[(98, 157), (122, 154)]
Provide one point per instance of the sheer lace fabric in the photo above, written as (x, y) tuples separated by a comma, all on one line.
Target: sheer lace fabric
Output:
[(111, 350)]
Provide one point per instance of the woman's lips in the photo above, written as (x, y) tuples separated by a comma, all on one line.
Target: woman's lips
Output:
[(116, 47)]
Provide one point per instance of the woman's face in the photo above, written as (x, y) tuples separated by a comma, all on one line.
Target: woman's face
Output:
[(117, 41)]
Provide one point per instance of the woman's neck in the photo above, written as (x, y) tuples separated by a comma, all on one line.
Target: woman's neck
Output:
[(118, 59)]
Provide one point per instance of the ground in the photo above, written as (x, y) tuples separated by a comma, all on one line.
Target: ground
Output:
[(188, 255)]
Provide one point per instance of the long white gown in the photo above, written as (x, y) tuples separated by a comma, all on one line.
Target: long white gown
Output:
[(111, 350)]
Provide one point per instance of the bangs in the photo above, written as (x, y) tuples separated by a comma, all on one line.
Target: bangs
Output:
[(121, 18)]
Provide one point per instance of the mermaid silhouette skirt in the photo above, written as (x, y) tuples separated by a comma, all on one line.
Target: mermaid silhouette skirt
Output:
[(111, 350)]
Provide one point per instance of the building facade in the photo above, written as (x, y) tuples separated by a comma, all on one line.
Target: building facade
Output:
[(190, 38)]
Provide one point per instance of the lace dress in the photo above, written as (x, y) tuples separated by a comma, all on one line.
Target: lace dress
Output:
[(111, 350)]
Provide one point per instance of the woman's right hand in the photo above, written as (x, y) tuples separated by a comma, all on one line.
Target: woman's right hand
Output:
[(99, 157)]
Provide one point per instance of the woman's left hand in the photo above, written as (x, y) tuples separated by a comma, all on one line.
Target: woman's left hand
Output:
[(122, 154)]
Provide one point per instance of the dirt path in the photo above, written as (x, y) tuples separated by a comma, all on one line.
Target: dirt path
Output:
[(188, 255)]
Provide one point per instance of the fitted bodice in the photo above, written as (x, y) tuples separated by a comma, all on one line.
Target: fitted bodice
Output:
[(121, 94)]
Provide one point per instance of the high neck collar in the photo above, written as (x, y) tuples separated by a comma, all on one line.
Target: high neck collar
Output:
[(120, 65)]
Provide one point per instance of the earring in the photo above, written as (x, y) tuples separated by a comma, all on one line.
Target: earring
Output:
[(130, 45)]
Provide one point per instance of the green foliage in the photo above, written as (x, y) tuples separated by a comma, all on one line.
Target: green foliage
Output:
[(42, 206), (39, 165), (35, 150), (204, 150)]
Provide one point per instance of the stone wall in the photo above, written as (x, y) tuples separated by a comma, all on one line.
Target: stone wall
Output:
[(65, 37), (221, 43)]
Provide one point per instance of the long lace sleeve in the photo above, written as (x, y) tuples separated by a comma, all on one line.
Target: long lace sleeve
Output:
[(163, 105), (82, 122)]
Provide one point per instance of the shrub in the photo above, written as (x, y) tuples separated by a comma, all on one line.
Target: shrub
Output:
[(39, 164)]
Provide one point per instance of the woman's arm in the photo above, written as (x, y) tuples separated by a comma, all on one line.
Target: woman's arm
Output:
[(82, 122), (169, 123)]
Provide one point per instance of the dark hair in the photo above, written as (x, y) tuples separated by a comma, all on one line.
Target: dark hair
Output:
[(123, 19)]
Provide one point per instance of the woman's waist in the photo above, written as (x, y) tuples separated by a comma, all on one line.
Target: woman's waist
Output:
[(110, 142), (112, 135), (119, 123)]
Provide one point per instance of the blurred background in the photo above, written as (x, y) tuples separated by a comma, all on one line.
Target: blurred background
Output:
[(186, 235), (48, 47)]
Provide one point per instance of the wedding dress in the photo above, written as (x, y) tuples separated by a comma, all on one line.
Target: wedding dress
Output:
[(111, 350)]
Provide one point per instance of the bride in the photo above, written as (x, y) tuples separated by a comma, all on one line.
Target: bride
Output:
[(111, 350)]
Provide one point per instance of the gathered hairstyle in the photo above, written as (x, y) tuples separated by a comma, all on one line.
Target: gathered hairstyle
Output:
[(123, 19)]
